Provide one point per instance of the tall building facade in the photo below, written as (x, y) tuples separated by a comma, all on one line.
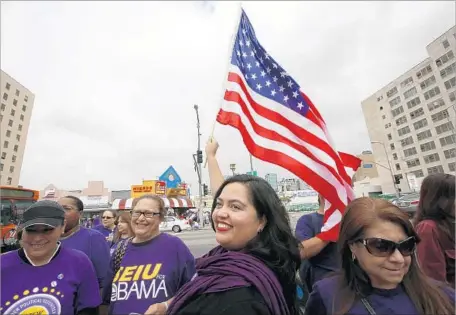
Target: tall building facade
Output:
[(368, 166), (411, 120), (15, 114), (271, 178)]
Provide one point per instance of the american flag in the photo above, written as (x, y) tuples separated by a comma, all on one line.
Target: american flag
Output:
[(280, 125)]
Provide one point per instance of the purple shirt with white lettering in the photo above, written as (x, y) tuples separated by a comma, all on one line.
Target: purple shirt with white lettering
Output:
[(94, 245), (150, 272), (66, 285)]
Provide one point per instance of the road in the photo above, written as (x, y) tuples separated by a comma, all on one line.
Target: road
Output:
[(201, 241)]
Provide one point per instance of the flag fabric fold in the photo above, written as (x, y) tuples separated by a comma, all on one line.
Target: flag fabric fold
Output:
[(279, 124)]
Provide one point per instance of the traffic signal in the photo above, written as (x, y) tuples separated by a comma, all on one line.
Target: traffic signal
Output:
[(205, 190), (199, 156)]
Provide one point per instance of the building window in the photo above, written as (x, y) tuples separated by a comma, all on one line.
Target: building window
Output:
[(24, 108), (414, 102), (410, 151), (417, 113), (5, 96), (444, 127), (431, 158), (11, 169), (452, 96), (16, 147), (8, 182), (8, 86), (3, 107), (3, 155), (452, 166), (1, 167), (383, 116), (392, 146), (19, 127), (13, 159), (420, 124), (391, 92), (413, 163), (424, 71), (431, 93), (427, 146), (447, 140), (389, 137), (440, 115), (406, 82), (407, 141), (418, 173), (435, 169), (451, 153), (450, 83), (5, 144), (424, 135), (15, 102), (395, 101), (435, 104), (401, 120), (18, 137), (22, 117), (410, 92), (17, 92), (26, 98), (445, 44), (387, 125), (8, 133), (427, 83), (13, 112), (10, 123), (444, 59), (398, 167), (448, 70), (397, 111), (395, 156)]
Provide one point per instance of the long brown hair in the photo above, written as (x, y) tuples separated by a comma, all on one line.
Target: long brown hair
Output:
[(428, 297), (126, 217), (437, 196)]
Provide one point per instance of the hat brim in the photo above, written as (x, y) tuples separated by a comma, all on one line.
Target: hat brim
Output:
[(51, 222)]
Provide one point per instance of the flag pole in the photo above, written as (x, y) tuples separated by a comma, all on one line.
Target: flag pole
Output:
[(225, 81)]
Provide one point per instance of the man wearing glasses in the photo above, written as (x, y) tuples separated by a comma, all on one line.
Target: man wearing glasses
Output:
[(89, 241)]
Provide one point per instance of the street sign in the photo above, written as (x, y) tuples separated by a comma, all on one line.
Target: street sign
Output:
[(254, 173)]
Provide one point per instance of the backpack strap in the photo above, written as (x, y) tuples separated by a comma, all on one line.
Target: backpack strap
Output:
[(120, 253)]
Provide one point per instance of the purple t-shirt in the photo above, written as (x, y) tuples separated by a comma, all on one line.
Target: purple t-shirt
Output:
[(394, 301), (150, 272), (94, 245), (105, 231), (66, 285)]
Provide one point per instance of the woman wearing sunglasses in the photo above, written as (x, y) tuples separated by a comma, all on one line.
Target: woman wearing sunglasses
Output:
[(43, 277), (380, 273)]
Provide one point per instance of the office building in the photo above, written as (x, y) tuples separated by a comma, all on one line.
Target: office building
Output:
[(271, 178), (411, 120), (15, 114), (368, 167)]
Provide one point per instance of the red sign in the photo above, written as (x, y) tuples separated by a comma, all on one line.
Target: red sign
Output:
[(160, 188)]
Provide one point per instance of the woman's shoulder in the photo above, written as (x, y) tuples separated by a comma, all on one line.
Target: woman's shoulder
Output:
[(328, 285), (244, 300), (67, 253)]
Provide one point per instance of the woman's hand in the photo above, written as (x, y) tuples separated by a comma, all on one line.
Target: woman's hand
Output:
[(211, 147), (157, 309)]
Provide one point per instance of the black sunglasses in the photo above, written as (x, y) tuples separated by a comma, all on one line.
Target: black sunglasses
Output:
[(382, 248)]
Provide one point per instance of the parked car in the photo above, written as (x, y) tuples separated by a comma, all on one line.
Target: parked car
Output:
[(408, 203), (174, 224)]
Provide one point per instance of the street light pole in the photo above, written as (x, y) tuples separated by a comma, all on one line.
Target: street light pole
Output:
[(251, 164), (233, 168), (200, 185), (390, 167)]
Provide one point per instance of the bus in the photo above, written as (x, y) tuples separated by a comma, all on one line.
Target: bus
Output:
[(14, 201)]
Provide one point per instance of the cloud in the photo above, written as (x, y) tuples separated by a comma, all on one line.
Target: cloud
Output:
[(115, 82)]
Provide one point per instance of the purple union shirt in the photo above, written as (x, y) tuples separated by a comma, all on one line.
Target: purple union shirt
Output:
[(150, 272), (66, 285)]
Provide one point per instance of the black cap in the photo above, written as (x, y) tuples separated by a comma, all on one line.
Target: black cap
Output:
[(44, 212)]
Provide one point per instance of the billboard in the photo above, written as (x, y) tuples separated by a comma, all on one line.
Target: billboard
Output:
[(149, 187)]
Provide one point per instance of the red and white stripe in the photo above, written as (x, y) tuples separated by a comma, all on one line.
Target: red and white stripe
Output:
[(300, 144), (179, 202)]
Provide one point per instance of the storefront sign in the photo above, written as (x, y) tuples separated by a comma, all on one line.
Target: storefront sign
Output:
[(154, 187), (176, 192)]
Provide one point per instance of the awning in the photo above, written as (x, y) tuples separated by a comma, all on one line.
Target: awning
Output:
[(178, 202)]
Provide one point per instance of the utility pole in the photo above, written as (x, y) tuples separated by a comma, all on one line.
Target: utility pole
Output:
[(198, 162), (251, 164)]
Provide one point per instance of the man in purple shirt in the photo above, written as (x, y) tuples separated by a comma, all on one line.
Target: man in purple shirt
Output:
[(89, 241), (321, 255)]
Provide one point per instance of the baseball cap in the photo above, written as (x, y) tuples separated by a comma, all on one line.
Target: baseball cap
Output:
[(44, 212)]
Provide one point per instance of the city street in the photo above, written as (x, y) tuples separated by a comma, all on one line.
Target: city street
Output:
[(201, 241)]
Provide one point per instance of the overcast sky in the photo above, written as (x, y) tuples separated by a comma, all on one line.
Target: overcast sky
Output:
[(115, 82)]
